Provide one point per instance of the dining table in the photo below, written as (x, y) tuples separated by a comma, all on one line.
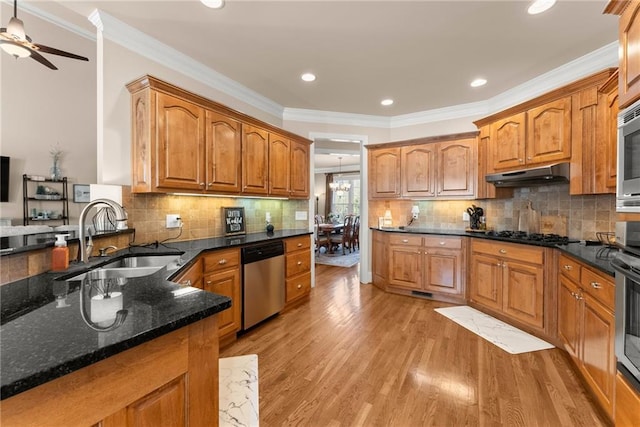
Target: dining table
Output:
[(327, 230)]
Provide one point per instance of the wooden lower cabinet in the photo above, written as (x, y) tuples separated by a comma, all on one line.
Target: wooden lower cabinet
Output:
[(169, 381), (297, 268), (508, 278), (222, 276), (380, 258), (192, 276), (431, 265), (586, 326), (627, 407)]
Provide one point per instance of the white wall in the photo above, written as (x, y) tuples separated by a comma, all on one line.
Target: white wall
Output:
[(43, 107)]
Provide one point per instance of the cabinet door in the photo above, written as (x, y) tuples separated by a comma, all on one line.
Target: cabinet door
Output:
[(549, 132), (404, 267), (180, 144), (419, 170), (279, 165), (223, 150), (485, 285), (569, 310), (384, 173), (456, 168), (165, 406), (598, 357), (255, 160), (485, 190), (379, 258), (299, 170), (508, 142), (443, 271), (629, 38), (192, 276), (611, 173), (227, 283), (523, 295)]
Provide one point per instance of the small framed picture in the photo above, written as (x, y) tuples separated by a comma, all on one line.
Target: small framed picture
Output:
[(81, 193), (233, 219)]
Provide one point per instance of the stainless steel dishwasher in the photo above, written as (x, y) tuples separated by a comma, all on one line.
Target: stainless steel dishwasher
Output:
[(263, 286)]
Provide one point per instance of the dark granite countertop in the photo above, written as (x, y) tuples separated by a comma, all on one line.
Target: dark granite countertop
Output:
[(28, 242), (597, 256), (43, 334)]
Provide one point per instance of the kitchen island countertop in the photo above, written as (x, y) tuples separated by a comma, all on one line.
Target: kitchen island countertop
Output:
[(44, 336)]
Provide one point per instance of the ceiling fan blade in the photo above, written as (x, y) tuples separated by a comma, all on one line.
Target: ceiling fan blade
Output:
[(54, 51), (41, 59)]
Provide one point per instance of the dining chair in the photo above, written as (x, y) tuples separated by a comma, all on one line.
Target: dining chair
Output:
[(355, 234), (319, 234), (344, 238)]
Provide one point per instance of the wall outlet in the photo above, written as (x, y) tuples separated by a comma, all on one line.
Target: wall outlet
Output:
[(173, 221), (301, 215), (465, 216)]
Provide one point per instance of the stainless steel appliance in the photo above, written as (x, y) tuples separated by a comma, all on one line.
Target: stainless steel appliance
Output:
[(557, 173), (627, 270), (628, 191), (263, 286)]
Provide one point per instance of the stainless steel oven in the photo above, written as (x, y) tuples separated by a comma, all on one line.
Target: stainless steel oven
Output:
[(627, 269), (628, 191)]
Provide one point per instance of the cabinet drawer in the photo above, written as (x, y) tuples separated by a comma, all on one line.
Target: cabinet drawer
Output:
[(405, 240), (570, 268), (443, 242), (298, 286), (221, 260), (298, 262), (599, 287), (297, 243), (513, 251)]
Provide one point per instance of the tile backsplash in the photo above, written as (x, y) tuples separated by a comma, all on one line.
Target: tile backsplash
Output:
[(585, 215), (202, 216)]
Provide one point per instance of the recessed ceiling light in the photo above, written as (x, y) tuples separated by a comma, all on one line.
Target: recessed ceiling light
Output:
[(213, 4), (386, 102), (308, 77), (539, 6), (478, 82)]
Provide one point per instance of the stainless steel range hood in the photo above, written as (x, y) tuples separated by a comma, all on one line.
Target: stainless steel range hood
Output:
[(557, 173)]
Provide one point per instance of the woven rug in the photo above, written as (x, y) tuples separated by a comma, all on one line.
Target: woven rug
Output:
[(505, 336), (339, 260)]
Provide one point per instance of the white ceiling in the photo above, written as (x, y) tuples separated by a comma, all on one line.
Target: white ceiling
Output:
[(423, 54)]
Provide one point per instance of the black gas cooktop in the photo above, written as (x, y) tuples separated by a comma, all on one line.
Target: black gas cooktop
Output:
[(551, 239)]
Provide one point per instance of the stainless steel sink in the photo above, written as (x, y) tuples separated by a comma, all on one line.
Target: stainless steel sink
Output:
[(130, 267), (145, 261)]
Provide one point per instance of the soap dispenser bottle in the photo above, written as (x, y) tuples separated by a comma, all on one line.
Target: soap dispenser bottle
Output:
[(60, 254)]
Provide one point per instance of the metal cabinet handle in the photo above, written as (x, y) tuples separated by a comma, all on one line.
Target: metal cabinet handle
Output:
[(299, 245), (568, 267), (596, 285), (202, 184), (503, 251), (299, 286), (208, 282), (186, 283), (299, 262), (210, 184), (499, 264), (443, 243), (222, 261), (405, 240), (520, 160), (528, 158)]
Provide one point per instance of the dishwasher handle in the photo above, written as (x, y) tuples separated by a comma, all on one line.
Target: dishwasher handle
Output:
[(263, 251)]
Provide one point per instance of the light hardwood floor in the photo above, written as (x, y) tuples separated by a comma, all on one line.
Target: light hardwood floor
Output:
[(356, 356)]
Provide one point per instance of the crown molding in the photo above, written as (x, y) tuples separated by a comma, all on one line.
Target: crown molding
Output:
[(52, 19), (335, 118), (135, 40), (473, 109)]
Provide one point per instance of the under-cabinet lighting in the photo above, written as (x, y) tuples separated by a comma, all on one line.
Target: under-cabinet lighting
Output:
[(228, 196)]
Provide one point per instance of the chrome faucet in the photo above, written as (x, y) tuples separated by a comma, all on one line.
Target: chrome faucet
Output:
[(121, 222)]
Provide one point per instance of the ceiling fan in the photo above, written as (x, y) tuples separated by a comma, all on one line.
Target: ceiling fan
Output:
[(16, 42)]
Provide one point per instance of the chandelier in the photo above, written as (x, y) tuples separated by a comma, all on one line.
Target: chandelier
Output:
[(340, 186)]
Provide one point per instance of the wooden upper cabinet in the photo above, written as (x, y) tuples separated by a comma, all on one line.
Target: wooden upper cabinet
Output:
[(255, 160), (456, 168), (180, 144), (549, 132), (508, 142), (629, 54), (279, 165), (299, 170), (223, 153), (419, 170), (384, 173)]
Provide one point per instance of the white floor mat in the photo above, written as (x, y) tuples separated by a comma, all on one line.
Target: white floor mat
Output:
[(505, 336)]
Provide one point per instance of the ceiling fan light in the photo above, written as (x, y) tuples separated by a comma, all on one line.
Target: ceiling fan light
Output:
[(15, 29), (15, 50), (213, 4)]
